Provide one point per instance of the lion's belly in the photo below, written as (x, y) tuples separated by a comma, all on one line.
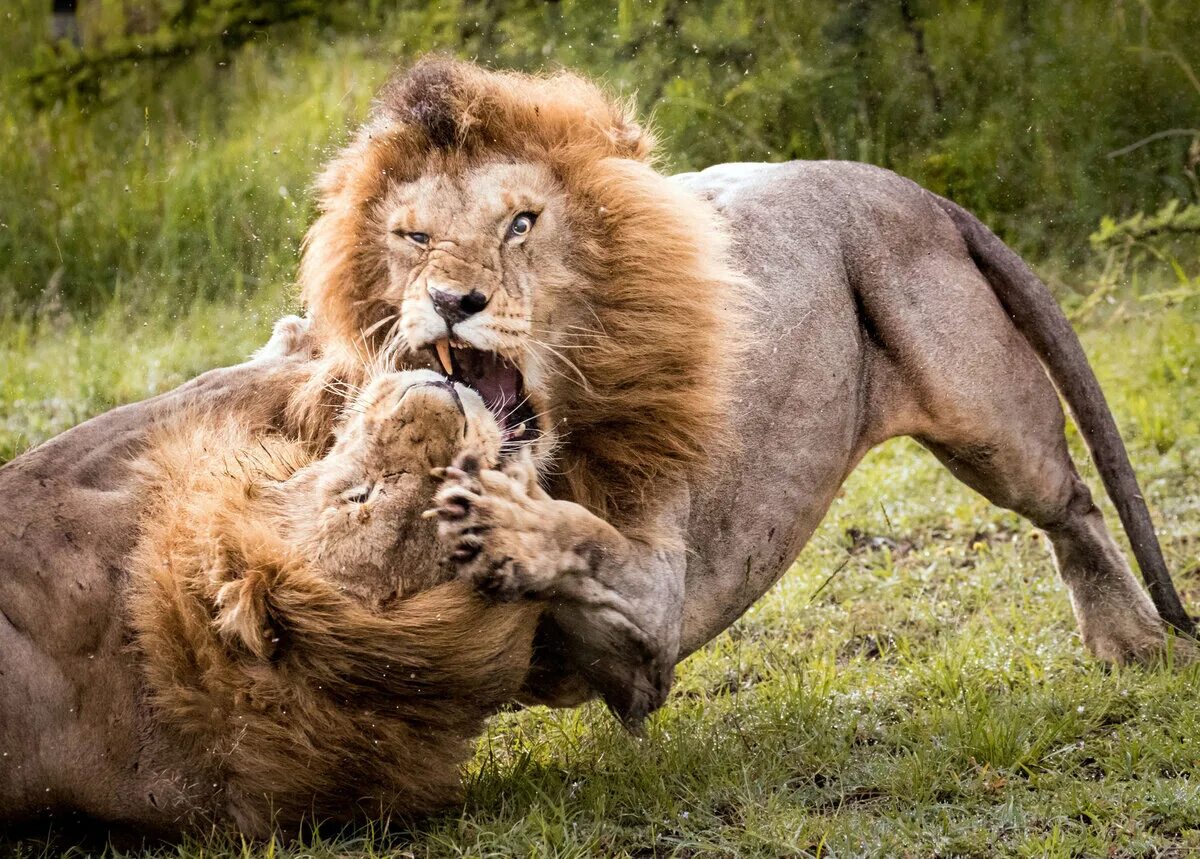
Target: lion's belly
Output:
[(800, 415), (73, 732)]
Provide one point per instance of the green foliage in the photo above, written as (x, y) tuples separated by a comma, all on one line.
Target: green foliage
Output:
[(188, 26), (171, 198), (150, 176), (1171, 219), (1167, 239)]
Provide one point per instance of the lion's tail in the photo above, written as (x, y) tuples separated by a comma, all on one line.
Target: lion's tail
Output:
[(1041, 321)]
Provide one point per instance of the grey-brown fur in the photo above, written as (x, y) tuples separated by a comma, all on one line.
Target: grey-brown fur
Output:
[(70, 706), (878, 310)]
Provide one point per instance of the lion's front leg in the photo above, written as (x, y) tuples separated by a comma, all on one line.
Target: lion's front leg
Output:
[(617, 601)]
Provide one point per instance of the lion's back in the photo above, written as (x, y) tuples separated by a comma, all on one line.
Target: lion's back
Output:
[(793, 204), (809, 234)]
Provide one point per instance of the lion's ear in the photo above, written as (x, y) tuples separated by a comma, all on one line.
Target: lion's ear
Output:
[(243, 613), (631, 138), (240, 595)]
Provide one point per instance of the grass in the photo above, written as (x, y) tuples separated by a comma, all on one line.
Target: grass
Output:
[(931, 698)]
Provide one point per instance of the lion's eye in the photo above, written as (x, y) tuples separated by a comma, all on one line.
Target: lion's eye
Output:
[(358, 494), (521, 225), (421, 239)]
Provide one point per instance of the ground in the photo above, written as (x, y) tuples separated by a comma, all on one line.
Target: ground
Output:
[(914, 685)]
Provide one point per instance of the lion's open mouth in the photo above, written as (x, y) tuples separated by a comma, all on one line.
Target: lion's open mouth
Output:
[(498, 381)]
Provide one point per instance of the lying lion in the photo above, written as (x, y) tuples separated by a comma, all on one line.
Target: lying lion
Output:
[(295, 652)]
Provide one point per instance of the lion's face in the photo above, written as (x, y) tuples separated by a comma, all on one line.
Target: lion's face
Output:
[(468, 260), (356, 513)]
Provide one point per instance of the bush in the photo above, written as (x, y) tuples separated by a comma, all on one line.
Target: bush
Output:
[(180, 169)]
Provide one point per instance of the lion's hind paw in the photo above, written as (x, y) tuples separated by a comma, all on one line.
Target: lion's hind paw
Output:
[(289, 338)]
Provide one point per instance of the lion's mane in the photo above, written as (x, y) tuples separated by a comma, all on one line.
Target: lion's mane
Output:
[(655, 295), (282, 698)]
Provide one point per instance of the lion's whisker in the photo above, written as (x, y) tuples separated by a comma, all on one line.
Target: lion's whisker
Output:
[(513, 410), (596, 316), (535, 338), (580, 331), (341, 386), (583, 380), (392, 343), (361, 350), (367, 332)]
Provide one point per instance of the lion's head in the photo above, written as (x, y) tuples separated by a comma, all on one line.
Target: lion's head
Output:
[(511, 230), (357, 511)]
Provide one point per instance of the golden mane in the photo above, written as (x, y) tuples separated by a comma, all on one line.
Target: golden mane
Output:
[(293, 700), (655, 294)]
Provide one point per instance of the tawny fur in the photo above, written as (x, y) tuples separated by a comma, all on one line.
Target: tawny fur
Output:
[(887, 311)]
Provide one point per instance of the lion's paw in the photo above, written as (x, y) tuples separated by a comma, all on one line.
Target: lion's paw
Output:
[(289, 338), (495, 529), (511, 540)]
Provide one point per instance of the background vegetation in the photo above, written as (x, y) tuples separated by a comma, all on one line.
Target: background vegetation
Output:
[(172, 157), (931, 697)]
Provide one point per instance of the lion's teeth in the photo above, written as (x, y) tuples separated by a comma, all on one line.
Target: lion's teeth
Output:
[(519, 430), (443, 352)]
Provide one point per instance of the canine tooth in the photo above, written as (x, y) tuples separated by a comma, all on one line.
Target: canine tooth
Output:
[(519, 430), (443, 352)]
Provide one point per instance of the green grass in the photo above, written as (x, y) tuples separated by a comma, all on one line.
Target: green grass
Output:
[(58, 370), (933, 697)]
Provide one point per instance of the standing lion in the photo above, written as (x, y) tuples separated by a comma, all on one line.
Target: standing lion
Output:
[(698, 362)]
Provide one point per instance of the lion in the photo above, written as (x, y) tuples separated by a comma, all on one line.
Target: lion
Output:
[(293, 651), (697, 363), (694, 364)]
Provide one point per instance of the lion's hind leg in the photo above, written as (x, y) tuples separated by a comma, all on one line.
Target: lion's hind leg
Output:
[(1116, 618), (985, 407), (951, 365)]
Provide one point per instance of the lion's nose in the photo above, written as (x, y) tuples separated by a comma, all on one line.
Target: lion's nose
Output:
[(454, 307)]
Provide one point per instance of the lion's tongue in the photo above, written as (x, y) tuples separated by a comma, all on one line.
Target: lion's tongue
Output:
[(497, 381)]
